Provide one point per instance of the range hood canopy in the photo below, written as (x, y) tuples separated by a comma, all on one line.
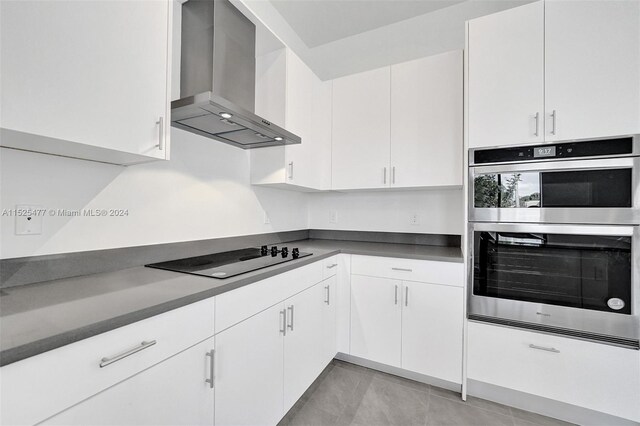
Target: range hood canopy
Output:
[(217, 78)]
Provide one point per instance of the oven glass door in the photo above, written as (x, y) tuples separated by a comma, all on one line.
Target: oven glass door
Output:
[(574, 270), (536, 189)]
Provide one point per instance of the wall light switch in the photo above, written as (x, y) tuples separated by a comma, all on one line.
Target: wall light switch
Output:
[(29, 220), (333, 216)]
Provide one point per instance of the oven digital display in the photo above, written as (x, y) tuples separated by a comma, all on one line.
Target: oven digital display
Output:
[(545, 151)]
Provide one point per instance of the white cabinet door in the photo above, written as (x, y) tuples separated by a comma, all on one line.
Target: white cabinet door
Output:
[(376, 319), (173, 392), (249, 371), (95, 81), (361, 126), (506, 77), (426, 121), (592, 64), (329, 295), (302, 343), (432, 330)]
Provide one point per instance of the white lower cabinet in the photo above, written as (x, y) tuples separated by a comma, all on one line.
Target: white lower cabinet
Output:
[(266, 362), (416, 326), (173, 392), (329, 297), (249, 370), (302, 343), (376, 319), (591, 375), (432, 322)]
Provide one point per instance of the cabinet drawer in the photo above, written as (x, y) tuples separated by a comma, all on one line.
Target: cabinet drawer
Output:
[(329, 267), (238, 305), (429, 271), (65, 376), (592, 375)]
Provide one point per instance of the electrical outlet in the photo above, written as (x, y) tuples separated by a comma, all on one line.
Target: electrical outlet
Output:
[(414, 218), (333, 216), (29, 220), (267, 220)]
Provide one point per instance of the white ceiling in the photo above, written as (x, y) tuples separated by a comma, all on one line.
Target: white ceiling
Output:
[(318, 22), (341, 37)]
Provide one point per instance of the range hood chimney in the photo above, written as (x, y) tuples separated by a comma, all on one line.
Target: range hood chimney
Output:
[(217, 78)]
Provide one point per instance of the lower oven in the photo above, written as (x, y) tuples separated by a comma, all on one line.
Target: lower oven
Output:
[(579, 280)]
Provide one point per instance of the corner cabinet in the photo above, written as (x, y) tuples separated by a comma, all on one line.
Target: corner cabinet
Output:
[(554, 70), (408, 314), (289, 94), (399, 126), (87, 80)]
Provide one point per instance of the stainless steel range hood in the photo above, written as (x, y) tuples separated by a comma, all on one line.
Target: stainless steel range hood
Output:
[(217, 80)]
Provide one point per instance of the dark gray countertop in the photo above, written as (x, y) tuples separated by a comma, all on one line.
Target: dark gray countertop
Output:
[(36, 318)]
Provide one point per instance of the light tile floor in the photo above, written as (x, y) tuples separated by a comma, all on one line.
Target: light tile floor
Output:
[(347, 394)]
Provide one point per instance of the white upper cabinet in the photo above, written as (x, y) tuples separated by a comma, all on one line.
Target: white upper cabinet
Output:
[(426, 121), (87, 79), (592, 68), (289, 94), (554, 70), (506, 77), (361, 130)]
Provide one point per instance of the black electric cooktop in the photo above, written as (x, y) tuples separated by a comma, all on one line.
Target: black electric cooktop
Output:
[(232, 263)]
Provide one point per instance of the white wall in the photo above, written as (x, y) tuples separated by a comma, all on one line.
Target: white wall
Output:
[(439, 211), (203, 192)]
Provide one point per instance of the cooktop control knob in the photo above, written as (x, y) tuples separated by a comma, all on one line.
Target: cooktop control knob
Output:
[(264, 250), (295, 253), (284, 252), (274, 251)]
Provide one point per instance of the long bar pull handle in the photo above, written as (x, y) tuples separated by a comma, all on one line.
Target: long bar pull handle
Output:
[(283, 314), (396, 300), (544, 348), (110, 360), (160, 124), (328, 288), (291, 322), (554, 119), (210, 354), (291, 170), (384, 175), (406, 296), (333, 265), (537, 117), (393, 175), (402, 269)]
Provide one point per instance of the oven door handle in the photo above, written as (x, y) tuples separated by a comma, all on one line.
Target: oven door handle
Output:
[(537, 229), (556, 165)]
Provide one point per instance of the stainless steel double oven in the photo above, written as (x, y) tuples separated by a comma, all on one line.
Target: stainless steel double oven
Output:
[(554, 238)]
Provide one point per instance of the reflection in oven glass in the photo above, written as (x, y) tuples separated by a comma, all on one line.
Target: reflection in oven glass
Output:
[(507, 190)]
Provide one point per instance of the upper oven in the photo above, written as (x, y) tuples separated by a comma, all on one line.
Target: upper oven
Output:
[(580, 182)]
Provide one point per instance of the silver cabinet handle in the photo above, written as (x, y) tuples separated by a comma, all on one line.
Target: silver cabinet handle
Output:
[(406, 296), (328, 294), (291, 323), (402, 269), (393, 175), (333, 265), (210, 354), (554, 119), (160, 124), (544, 348), (396, 300), (291, 170), (384, 175), (537, 117), (283, 315), (110, 360)]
